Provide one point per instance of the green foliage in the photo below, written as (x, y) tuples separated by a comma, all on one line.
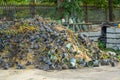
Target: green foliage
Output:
[(99, 3), (101, 44), (14, 2), (1, 11), (118, 57), (109, 49), (70, 7), (87, 1), (50, 1), (46, 4), (116, 2), (102, 3)]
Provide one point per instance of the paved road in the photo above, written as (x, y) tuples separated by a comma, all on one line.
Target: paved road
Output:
[(101, 73)]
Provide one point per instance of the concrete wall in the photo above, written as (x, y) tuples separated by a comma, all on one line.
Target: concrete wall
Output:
[(93, 35), (113, 37)]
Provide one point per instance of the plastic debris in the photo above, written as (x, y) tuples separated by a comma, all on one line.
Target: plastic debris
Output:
[(73, 63), (38, 43)]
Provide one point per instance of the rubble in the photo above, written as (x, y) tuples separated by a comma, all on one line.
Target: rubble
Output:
[(42, 44)]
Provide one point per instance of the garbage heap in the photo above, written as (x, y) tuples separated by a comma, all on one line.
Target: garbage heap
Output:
[(43, 44)]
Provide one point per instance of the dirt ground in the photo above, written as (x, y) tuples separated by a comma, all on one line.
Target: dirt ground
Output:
[(98, 73)]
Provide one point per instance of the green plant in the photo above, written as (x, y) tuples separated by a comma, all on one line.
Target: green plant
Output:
[(70, 7), (101, 44), (118, 57)]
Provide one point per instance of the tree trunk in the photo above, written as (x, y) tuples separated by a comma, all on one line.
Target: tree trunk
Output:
[(32, 8), (60, 9), (106, 14), (86, 12), (111, 15)]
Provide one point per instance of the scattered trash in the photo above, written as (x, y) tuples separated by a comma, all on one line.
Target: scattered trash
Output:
[(104, 62), (111, 53), (73, 63), (48, 46)]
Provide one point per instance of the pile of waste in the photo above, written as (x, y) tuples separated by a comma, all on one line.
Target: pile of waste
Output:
[(43, 44)]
